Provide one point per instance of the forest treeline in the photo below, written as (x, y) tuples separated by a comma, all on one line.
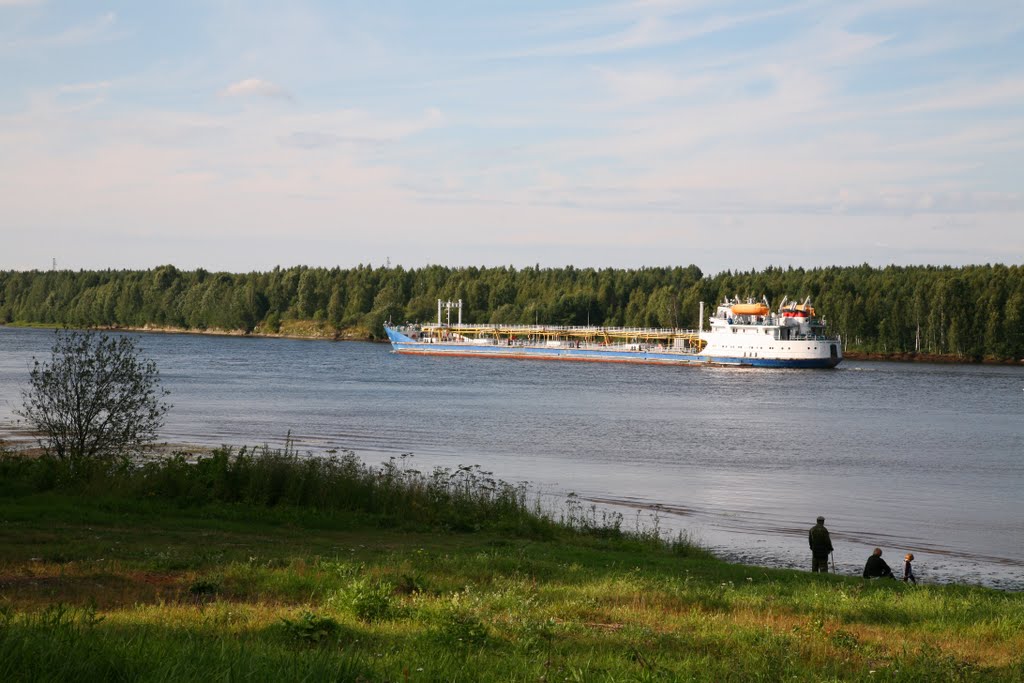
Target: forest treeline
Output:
[(971, 312)]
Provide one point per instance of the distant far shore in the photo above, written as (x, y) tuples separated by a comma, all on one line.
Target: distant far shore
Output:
[(313, 330), (310, 330), (969, 313), (911, 357)]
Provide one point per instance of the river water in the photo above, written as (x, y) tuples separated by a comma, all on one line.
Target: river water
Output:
[(915, 458)]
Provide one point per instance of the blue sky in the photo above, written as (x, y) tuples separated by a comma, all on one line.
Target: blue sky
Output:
[(243, 135)]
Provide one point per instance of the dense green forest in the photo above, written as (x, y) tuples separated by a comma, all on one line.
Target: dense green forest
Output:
[(971, 312)]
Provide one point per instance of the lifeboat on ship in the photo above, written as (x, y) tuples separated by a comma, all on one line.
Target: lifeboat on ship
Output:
[(802, 311), (749, 309)]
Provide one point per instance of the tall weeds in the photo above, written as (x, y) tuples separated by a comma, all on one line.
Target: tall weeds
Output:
[(466, 498)]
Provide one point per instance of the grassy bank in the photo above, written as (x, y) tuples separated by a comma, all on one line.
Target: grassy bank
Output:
[(263, 565)]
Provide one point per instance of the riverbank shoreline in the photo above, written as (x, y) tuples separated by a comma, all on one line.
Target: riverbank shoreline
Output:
[(767, 552), (188, 570), (325, 333)]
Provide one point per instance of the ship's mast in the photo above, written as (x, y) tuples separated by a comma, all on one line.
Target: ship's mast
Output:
[(448, 306)]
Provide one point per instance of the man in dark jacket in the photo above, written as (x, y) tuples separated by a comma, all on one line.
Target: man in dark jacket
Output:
[(821, 546), (876, 567)]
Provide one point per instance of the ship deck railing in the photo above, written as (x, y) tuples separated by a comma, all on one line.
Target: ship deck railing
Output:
[(554, 329)]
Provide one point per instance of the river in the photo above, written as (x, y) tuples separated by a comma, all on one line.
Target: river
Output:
[(910, 457)]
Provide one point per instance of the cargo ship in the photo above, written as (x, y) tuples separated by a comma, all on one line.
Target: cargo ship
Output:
[(739, 334)]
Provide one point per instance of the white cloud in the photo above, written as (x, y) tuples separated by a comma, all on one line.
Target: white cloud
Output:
[(329, 128), (652, 29), (101, 29), (98, 30), (971, 96), (648, 85), (85, 87), (255, 87)]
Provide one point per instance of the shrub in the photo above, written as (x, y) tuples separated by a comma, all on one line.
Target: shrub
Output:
[(204, 588), (409, 584), (368, 600), (312, 628), (459, 628), (457, 625)]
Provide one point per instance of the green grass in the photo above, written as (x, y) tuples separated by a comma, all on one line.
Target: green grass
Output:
[(131, 580)]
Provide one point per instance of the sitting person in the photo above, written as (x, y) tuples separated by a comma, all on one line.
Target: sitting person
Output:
[(908, 570), (876, 567)]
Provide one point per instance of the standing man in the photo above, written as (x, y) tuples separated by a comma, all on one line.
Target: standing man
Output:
[(821, 546)]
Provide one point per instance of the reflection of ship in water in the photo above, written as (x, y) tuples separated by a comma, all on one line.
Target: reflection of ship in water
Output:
[(741, 334)]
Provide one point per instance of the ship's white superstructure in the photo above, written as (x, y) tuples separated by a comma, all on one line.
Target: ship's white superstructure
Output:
[(750, 330)]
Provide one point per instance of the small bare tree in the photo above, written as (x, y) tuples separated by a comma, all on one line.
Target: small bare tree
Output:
[(95, 399)]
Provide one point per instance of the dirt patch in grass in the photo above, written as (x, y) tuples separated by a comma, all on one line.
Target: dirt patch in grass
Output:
[(104, 590)]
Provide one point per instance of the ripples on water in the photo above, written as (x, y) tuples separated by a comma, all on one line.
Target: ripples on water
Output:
[(911, 457)]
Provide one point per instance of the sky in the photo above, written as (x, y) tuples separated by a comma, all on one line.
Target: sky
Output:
[(240, 135)]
